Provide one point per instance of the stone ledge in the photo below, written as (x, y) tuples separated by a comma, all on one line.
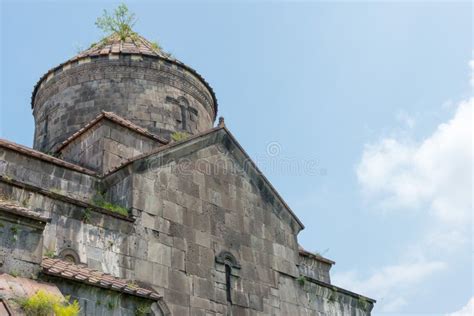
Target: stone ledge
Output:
[(64, 198), (44, 157), (340, 290)]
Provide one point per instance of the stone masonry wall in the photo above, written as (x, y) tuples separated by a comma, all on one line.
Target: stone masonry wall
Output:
[(21, 244), (315, 269), (151, 93), (35, 172), (198, 207), (105, 146), (191, 205)]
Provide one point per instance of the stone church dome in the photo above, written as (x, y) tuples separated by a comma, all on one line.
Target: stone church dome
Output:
[(131, 77)]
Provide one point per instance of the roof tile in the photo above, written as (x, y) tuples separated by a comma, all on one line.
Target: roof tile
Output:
[(80, 273)]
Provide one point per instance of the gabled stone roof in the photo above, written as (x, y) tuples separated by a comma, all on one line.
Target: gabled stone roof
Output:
[(116, 119), (213, 136), (81, 273), (42, 156)]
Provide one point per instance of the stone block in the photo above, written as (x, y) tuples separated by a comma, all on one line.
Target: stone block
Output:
[(173, 212), (203, 288), (159, 253), (160, 275), (201, 303), (179, 281), (178, 259)]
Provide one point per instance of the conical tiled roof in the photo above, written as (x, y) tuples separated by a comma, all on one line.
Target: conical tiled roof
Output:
[(113, 44), (135, 45)]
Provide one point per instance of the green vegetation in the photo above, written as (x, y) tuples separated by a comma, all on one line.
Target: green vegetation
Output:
[(301, 280), (179, 136), (46, 304), (155, 46), (143, 310), (99, 201), (14, 230), (86, 217), (110, 305), (363, 303), (49, 253), (120, 22), (14, 273), (333, 296)]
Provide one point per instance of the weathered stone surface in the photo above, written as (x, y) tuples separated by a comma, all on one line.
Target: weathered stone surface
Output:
[(148, 92), (188, 203)]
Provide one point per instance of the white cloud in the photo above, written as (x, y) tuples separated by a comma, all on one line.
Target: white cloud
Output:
[(434, 176), (467, 310), (389, 284), (434, 173)]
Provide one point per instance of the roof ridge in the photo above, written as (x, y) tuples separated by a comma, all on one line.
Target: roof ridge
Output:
[(40, 155), (117, 119)]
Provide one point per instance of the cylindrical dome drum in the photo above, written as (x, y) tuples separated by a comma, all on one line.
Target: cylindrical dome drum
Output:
[(129, 78)]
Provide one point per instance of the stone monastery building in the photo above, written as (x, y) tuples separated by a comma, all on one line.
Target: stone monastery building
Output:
[(109, 209)]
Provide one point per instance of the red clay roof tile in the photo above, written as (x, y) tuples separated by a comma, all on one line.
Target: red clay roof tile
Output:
[(80, 273)]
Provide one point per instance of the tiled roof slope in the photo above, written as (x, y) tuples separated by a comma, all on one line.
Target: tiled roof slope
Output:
[(80, 273), (114, 118), (113, 44)]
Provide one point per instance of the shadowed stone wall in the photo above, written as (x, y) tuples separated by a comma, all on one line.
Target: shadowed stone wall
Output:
[(105, 146), (158, 95), (315, 269), (21, 244)]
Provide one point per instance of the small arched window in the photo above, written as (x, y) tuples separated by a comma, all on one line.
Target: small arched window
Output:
[(69, 255), (230, 266)]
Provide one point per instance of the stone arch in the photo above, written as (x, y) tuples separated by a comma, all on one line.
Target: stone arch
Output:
[(160, 308), (69, 254), (227, 258), (183, 101)]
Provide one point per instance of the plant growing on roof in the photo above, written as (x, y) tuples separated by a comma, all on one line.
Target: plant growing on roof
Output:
[(100, 201), (120, 22), (179, 136)]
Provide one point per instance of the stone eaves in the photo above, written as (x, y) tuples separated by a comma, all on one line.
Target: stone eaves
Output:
[(44, 157), (80, 273), (314, 256)]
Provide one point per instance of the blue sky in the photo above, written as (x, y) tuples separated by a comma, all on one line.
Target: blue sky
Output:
[(370, 94)]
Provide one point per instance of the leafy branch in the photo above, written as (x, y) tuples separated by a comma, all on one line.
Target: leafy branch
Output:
[(120, 22)]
